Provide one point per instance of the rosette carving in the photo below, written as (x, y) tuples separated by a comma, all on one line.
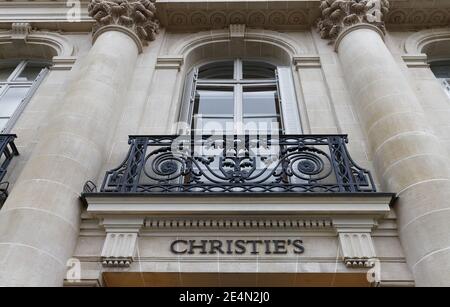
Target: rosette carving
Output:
[(136, 15), (339, 14)]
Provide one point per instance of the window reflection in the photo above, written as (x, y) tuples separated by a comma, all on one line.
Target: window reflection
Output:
[(11, 100), (236, 97), (258, 70), (260, 101), (441, 70), (214, 102), (217, 70), (17, 81)]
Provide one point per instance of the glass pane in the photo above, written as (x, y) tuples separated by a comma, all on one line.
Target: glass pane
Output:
[(29, 73), (11, 100), (260, 102), (217, 70), (258, 70), (219, 102), (5, 72), (441, 69), (213, 125), (3, 122), (262, 124)]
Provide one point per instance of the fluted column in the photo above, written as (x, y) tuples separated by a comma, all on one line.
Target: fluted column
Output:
[(39, 222), (407, 154)]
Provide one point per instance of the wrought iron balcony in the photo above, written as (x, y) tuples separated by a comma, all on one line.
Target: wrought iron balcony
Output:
[(7, 151), (237, 164)]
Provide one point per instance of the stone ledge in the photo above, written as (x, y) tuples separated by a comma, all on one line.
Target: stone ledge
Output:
[(377, 204)]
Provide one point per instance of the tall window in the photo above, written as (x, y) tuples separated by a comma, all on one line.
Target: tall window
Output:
[(441, 70), (18, 81), (235, 96)]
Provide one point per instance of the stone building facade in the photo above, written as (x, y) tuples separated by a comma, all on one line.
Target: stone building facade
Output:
[(108, 177)]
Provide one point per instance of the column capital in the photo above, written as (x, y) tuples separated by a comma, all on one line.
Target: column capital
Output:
[(138, 16), (337, 15), (355, 27)]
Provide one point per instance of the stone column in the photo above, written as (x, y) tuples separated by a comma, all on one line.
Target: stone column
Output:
[(407, 153), (39, 222)]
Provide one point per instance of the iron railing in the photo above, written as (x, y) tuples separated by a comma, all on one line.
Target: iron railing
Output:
[(7, 151), (237, 164)]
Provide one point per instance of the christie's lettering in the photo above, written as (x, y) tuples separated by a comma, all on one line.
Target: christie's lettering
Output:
[(237, 247)]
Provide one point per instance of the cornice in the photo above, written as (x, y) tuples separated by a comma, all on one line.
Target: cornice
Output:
[(376, 204), (182, 15)]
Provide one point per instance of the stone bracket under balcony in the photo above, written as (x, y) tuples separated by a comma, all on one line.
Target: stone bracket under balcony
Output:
[(121, 238)]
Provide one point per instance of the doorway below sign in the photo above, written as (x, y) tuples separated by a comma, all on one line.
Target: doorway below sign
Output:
[(153, 279)]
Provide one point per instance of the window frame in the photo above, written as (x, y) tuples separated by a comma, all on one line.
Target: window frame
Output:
[(11, 82), (446, 85), (238, 84), (444, 81)]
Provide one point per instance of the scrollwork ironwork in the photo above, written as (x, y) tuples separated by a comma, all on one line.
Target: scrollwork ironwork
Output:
[(7, 151), (238, 164)]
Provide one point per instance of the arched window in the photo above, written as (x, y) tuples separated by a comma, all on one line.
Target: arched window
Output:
[(441, 70), (18, 81), (239, 97)]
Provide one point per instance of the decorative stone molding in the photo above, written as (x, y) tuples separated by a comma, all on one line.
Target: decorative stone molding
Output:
[(222, 18), (355, 27), (416, 61), (60, 46), (122, 29), (417, 42), (237, 31), (63, 63), (20, 30), (306, 61), (351, 217), (118, 250), (237, 223), (340, 14), (357, 249), (273, 39), (121, 240), (417, 17), (169, 62), (203, 15), (355, 241), (135, 15)]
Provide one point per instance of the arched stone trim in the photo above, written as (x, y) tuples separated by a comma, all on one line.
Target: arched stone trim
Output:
[(416, 43), (277, 48), (415, 46), (280, 40), (62, 50)]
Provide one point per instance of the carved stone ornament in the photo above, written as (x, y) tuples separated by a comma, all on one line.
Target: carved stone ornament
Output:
[(357, 249), (118, 249), (20, 30), (136, 15), (340, 14)]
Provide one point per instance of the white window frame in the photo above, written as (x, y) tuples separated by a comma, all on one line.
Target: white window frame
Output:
[(446, 85), (12, 83), (444, 79), (287, 98)]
